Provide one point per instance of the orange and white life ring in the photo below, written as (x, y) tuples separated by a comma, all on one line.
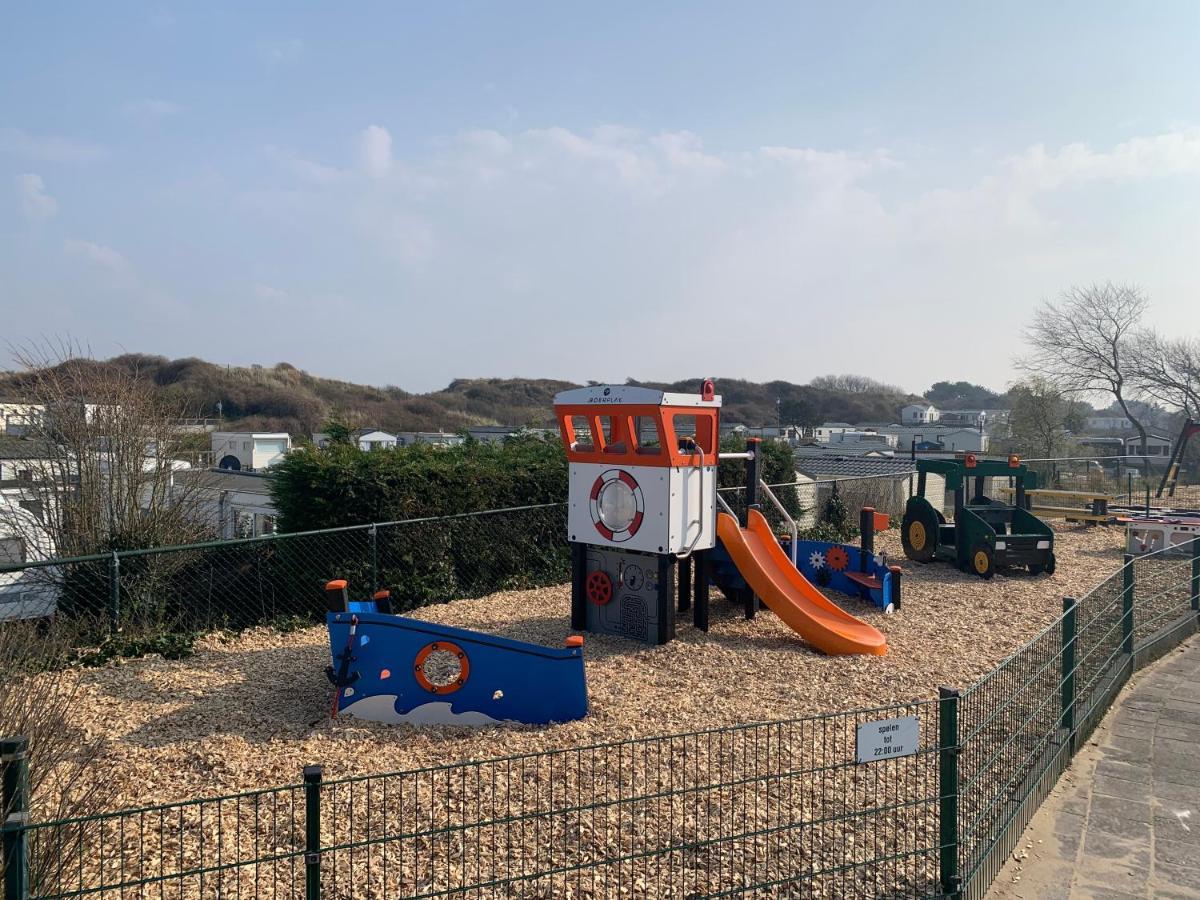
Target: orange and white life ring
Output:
[(603, 480)]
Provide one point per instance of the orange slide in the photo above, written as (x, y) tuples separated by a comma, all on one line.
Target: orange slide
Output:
[(788, 594)]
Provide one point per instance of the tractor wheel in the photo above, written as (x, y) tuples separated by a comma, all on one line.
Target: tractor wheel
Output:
[(919, 534), (980, 560), (1036, 568), (1051, 564)]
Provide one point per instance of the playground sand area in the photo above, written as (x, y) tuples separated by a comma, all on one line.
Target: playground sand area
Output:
[(250, 710)]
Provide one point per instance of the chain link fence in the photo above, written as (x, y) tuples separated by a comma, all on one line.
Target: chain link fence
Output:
[(279, 578), (1127, 480)]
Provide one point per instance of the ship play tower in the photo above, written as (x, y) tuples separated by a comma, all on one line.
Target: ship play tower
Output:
[(643, 506)]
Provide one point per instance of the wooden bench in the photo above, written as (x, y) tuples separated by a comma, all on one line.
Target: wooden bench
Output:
[(1051, 503)]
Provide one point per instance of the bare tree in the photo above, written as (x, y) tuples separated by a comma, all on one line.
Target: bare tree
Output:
[(101, 458), (1041, 419), (1083, 343), (854, 384), (1168, 370)]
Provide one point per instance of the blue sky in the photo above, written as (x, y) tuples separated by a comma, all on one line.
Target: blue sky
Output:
[(405, 194)]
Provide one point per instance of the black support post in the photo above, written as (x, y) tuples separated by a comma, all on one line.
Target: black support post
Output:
[(312, 832), (666, 604), (700, 609), (866, 531), (578, 586), (753, 449), (14, 813), (685, 583), (948, 750)]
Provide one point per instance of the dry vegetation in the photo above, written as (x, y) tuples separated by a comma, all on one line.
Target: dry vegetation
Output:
[(251, 710)]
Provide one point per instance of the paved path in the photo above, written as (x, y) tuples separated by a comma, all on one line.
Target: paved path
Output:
[(1124, 821)]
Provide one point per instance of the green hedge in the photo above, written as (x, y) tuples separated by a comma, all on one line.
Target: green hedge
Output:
[(428, 562), (343, 485)]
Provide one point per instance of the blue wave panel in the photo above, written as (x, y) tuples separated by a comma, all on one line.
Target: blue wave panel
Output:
[(506, 681)]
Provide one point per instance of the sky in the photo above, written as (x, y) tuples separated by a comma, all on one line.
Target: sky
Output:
[(403, 194)]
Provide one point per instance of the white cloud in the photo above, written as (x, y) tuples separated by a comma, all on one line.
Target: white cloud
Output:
[(281, 50), (305, 169), (526, 230), (149, 110), (488, 141), (45, 148), (36, 204), (684, 150), (375, 151), (101, 255)]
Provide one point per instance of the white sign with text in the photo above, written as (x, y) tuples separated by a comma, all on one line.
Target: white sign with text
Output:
[(888, 738)]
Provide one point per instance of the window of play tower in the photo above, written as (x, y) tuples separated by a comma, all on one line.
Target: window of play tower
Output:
[(688, 427), (645, 435)]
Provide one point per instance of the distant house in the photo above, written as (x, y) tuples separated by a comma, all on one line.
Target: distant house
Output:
[(825, 431), (433, 438), (987, 419), (948, 438), (249, 450), (20, 419), (1156, 445), (363, 438), (919, 414), (25, 593), (235, 504)]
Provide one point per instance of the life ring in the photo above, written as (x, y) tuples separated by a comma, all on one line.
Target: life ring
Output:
[(464, 667), (603, 480)]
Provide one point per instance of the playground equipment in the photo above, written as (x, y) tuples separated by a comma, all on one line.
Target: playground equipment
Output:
[(392, 669), (986, 534), (643, 480), (642, 517), (856, 571), (1150, 533)]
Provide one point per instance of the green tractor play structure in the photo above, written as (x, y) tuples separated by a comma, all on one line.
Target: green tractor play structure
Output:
[(986, 534)]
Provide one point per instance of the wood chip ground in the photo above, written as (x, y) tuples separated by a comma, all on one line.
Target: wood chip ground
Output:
[(250, 710)]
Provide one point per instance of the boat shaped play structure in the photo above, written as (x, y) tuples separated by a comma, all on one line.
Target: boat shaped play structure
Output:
[(394, 669)]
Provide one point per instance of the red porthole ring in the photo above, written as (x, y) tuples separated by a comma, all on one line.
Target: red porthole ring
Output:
[(464, 667), (603, 480), (599, 588)]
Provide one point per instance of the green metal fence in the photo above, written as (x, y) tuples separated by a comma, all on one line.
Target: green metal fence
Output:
[(778, 808)]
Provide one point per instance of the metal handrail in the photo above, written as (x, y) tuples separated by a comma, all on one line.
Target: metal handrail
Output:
[(765, 488), (699, 521)]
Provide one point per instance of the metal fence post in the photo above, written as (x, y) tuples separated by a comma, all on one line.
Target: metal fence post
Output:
[(1196, 574), (948, 750), (312, 832), (373, 531), (1068, 670), (14, 806), (1127, 607), (114, 593)]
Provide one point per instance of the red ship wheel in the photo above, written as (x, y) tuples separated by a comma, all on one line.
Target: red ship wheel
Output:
[(599, 588)]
